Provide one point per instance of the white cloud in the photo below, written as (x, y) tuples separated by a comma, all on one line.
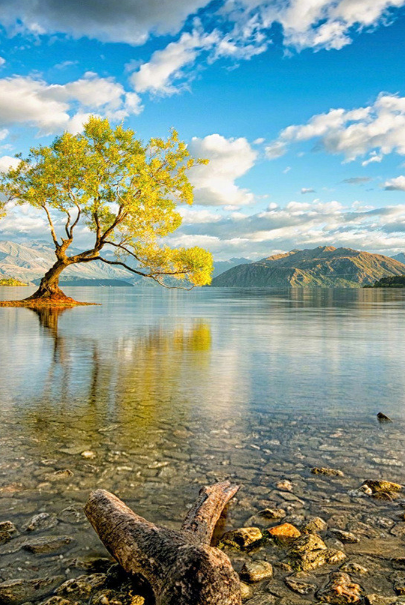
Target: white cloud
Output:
[(307, 190), (2, 61), (302, 225), (241, 28), (229, 159), (374, 157), (25, 100), (378, 129), (165, 65), (397, 184), (7, 162)]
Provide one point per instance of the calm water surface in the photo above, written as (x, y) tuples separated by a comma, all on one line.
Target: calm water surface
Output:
[(169, 390)]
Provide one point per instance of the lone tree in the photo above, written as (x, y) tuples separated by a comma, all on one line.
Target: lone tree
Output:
[(125, 192)]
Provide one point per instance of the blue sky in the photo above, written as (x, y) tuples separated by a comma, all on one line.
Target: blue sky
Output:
[(299, 104)]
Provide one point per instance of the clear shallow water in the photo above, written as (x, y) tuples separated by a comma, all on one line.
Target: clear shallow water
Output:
[(170, 390)]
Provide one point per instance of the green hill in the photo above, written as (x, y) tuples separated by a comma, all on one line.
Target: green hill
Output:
[(326, 267), (398, 281)]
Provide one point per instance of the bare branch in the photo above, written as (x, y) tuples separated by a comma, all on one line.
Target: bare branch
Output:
[(123, 248), (52, 228), (67, 223), (111, 262), (76, 220)]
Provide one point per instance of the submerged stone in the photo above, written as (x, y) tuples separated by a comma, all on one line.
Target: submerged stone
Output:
[(328, 472), (298, 586), (345, 536), (340, 590), (242, 538), (7, 531), (16, 592), (41, 522), (48, 544), (382, 486)]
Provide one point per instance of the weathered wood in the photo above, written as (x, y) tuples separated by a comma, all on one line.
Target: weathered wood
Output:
[(181, 566), (202, 518)]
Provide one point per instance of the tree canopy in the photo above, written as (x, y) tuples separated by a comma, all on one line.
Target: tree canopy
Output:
[(124, 191)]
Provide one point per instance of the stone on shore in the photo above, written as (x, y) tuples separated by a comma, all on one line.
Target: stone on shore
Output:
[(254, 571), (286, 530)]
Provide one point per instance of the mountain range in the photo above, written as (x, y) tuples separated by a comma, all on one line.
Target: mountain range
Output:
[(325, 266), (29, 262)]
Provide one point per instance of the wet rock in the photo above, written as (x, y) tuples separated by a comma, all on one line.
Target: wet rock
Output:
[(340, 590), (285, 485), (41, 522), (254, 571), (59, 475), (242, 538), (382, 486), (354, 568), (72, 514), (273, 513), (310, 552), (246, 591), (83, 586), (16, 592), (91, 564), (298, 586), (88, 455), (387, 461), (328, 472), (8, 531), (377, 599), (262, 599), (314, 525), (398, 530), (345, 536), (286, 530), (398, 580), (58, 601), (383, 418), (48, 544)]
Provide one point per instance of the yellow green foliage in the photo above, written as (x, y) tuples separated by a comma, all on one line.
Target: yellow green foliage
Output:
[(125, 191)]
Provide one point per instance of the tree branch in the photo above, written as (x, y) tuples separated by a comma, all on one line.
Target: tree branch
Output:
[(52, 228), (76, 220), (202, 518), (111, 262)]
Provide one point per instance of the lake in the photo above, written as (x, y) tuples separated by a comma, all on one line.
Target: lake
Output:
[(156, 392)]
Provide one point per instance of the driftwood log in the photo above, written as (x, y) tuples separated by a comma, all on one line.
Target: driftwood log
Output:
[(181, 566)]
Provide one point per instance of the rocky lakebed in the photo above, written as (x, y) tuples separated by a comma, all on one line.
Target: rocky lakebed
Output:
[(320, 516)]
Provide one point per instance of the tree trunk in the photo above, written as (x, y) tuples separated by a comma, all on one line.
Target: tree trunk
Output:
[(49, 290), (181, 566)]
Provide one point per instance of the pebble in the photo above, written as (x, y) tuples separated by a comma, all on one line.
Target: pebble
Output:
[(328, 472), (299, 586), (242, 538), (255, 571), (345, 536), (286, 530), (340, 590), (273, 513), (41, 522)]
